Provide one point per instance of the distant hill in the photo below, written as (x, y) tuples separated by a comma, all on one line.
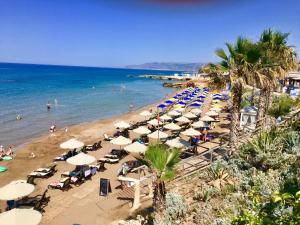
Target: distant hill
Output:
[(189, 67)]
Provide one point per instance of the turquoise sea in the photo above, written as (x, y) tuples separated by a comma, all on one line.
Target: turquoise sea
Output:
[(76, 95)]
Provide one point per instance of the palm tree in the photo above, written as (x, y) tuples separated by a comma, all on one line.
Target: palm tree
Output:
[(218, 75), (277, 59), (240, 63), (161, 163)]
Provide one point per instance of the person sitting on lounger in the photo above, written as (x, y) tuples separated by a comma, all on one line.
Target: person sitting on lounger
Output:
[(117, 133), (204, 134), (194, 141), (9, 152)]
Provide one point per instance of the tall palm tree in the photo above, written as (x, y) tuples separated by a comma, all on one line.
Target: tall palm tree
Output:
[(240, 63), (218, 75), (277, 60), (161, 163)]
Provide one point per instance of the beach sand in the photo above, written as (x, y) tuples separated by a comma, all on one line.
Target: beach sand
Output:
[(85, 198), (82, 204)]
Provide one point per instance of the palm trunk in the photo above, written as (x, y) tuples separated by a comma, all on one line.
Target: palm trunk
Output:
[(236, 102), (159, 202), (262, 107)]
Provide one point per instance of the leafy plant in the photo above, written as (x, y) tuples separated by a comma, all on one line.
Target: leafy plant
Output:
[(175, 209), (161, 163), (281, 106)]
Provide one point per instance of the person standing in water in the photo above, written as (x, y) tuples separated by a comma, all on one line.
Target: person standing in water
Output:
[(48, 106)]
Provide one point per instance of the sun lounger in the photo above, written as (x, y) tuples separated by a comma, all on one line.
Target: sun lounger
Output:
[(109, 156), (76, 180), (100, 166), (87, 174), (62, 184), (41, 174), (91, 147), (107, 160), (37, 202), (46, 169), (107, 138)]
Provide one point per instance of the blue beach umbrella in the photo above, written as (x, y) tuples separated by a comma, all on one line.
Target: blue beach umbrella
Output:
[(181, 103), (169, 102), (187, 99), (162, 106), (201, 96), (195, 105), (217, 98), (199, 100)]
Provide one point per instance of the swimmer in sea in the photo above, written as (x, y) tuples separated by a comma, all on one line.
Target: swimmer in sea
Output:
[(48, 106), (19, 117)]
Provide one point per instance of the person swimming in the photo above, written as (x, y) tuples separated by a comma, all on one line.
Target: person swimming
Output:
[(48, 106), (19, 117)]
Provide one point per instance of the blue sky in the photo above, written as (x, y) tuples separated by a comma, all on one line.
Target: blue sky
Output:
[(121, 32)]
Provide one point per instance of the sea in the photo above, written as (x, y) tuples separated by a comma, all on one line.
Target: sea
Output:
[(76, 95)]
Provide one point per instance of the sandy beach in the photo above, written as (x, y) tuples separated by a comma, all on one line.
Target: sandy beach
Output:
[(46, 148), (68, 207)]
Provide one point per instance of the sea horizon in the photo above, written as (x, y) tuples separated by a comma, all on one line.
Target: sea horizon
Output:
[(77, 94)]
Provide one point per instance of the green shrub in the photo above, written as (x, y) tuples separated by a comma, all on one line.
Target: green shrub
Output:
[(175, 209), (281, 106)]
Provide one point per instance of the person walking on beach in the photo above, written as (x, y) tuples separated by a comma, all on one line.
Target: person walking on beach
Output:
[(2, 151), (48, 106), (52, 128)]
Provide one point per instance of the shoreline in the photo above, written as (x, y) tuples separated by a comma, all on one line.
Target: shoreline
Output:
[(46, 146), (28, 141)]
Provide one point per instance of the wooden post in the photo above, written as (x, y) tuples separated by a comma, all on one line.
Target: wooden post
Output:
[(137, 196)]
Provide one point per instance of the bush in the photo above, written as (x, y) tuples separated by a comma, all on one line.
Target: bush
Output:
[(281, 106), (175, 209)]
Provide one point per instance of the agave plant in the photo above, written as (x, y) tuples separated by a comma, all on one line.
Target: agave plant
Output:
[(220, 176)]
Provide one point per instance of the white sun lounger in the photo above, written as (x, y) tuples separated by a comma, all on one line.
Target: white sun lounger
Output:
[(107, 160)]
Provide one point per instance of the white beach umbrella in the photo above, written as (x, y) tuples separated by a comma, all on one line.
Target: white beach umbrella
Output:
[(142, 130), (165, 117), (183, 119), (146, 113), (212, 113), (199, 124), (172, 126), (216, 109), (191, 132), (207, 119), (121, 141), (122, 125), (196, 111), (20, 217), (190, 115), (154, 122), (81, 159), (158, 135), (72, 144), (136, 147), (15, 190), (177, 143), (174, 113), (180, 109)]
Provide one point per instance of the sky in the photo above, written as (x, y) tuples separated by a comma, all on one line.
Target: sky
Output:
[(115, 33)]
